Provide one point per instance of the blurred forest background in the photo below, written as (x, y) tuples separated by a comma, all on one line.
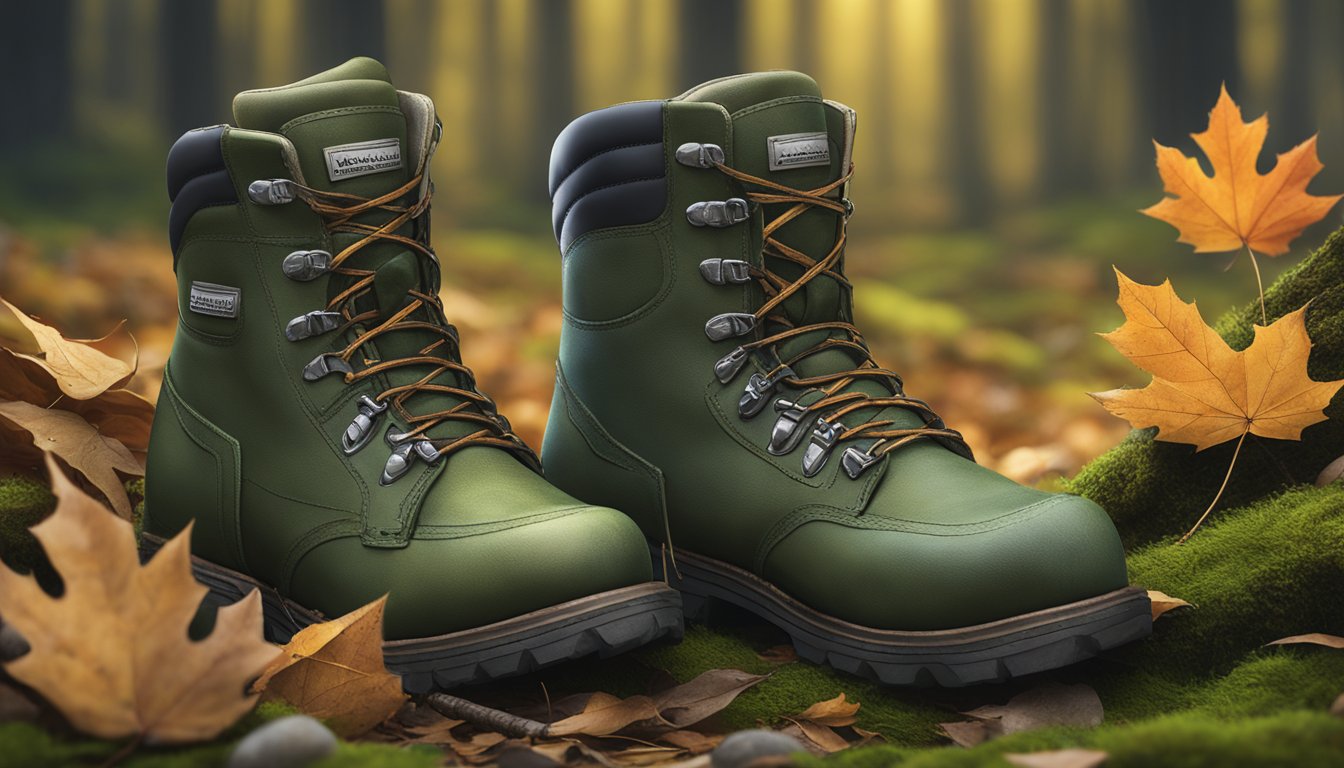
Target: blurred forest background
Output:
[(1003, 149)]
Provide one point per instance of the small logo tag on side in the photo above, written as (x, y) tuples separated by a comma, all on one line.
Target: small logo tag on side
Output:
[(214, 300), (799, 150), (347, 161)]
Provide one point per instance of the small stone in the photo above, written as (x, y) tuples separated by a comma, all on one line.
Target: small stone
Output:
[(12, 644), (744, 748), (290, 742)]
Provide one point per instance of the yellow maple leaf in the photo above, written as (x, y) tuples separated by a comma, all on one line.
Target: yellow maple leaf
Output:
[(112, 652), (1203, 392), (1238, 206), (334, 671)]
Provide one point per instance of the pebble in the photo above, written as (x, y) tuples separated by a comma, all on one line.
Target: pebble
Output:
[(290, 742), (745, 747), (12, 644)]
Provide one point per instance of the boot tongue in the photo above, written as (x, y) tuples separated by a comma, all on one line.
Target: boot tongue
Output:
[(346, 125)]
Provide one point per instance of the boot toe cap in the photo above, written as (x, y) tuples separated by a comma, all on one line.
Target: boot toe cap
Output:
[(918, 576)]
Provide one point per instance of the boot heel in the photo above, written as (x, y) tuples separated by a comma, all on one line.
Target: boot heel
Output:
[(281, 618)]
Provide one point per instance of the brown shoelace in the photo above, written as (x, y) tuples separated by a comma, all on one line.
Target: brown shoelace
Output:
[(339, 211), (836, 402)]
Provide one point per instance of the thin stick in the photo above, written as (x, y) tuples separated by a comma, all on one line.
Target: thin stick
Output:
[(485, 718), (1259, 284), (1221, 488)]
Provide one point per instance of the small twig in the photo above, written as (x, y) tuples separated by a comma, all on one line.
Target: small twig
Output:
[(1259, 284), (126, 751), (1221, 488), (485, 718)]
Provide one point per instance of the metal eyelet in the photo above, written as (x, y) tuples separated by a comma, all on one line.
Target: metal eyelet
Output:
[(758, 391), (729, 324), (404, 452), (271, 191), (855, 462), (306, 265), (718, 213), (819, 447), (312, 324), (324, 364), (728, 365), (786, 434), (360, 431), (725, 271), (699, 155)]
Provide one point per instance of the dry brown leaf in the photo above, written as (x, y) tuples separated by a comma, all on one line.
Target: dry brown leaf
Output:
[(334, 671), (692, 742), (68, 436), (815, 738), (1203, 392), (1238, 206), (81, 371), (833, 712), (112, 653), (1162, 602), (606, 714), (1046, 705), (1314, 638), (1059, 758), (705, 695), (779, 654)]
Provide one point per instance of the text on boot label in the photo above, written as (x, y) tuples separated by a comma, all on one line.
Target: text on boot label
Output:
[(347, 161), (799, 150), (212, 299)]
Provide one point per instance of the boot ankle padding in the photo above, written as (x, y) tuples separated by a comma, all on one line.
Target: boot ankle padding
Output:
[(608, 170), (197, 178)]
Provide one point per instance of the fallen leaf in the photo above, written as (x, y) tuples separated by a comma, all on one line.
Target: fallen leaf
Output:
[(1203, 392), (1162, 602), (693, 742), (705, 695), (1238, 206), (1314, 638), (1046, 705), (605, 714), (112, 652), (82, 371), (1332, 472), (334, 671), (834, 712), (816, 738), (1060, 758), (67, 435)]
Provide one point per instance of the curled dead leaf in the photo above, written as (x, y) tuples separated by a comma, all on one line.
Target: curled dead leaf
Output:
[(704, 695), (68, 436), (81, 371), (1313, 638), (1059, 758), (1162, 603), (334, 671), (606, 714), (112, 653)]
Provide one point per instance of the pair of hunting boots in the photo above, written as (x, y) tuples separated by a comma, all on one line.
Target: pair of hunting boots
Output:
[(719, 433)]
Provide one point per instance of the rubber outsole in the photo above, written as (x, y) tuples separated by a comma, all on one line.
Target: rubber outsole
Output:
[(602, 624), (952, 658)]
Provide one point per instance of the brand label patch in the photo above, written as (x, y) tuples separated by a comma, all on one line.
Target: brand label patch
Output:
[(347, 161), (799, 150), (212, 299)]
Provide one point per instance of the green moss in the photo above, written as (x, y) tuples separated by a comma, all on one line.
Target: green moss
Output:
[(1300, 739), (366, 755), (1154, 489), (24, 501)]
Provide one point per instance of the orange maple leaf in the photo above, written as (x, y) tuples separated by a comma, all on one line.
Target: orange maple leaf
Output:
[(1238, 206)]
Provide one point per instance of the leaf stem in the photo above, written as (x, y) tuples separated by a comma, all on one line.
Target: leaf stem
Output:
[(1221, 488), (1260, 285)]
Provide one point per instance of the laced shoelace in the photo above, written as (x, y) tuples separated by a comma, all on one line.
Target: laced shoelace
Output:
[(836, 401), (339, 212)]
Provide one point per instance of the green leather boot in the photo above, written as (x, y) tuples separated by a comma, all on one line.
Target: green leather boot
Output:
[(712, 385), (318, 428)]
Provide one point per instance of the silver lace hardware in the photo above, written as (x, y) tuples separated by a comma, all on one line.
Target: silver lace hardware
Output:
[(718, 213), (312, 324), (728, 365), (724, 271), (758, 391), (855, 461), (699, 155), (787, 434), (404, 453), (326, 363), (359, 432), (819, 447), (306, 265), (729, 324), (271, 191)]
